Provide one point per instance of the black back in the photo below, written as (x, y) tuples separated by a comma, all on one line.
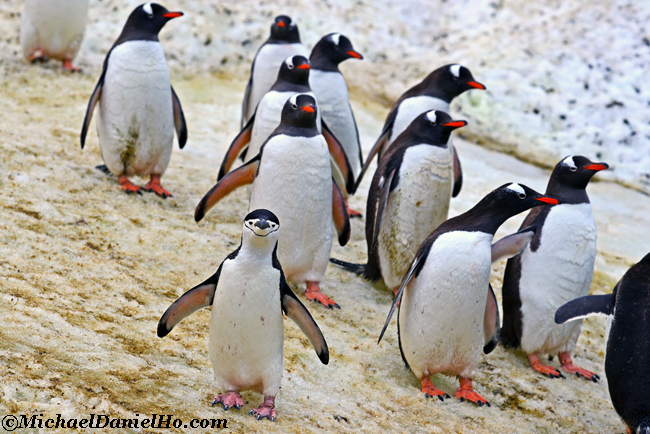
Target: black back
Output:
[(331, 50), (283, 31), (293, 76)]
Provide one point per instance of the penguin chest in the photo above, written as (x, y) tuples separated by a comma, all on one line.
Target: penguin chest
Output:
[(442, 309), (417, 205), (411, 108), (136, 125), (559, 270), (246, 326)]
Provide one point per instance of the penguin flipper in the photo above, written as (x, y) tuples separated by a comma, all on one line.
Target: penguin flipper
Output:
[(179, 120), (196, 298), (340, 215), (340, 159), (512, 245), (295, 310), (586, 306), (491, 322), (458, 173), (94, 99), (238, 144), (379, 144), (237, 178), (398, 297), (247, 95), (381, 207)]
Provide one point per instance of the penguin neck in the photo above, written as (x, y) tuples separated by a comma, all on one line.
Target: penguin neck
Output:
[(132, 33), (484, 217), (321, 62), (297, 85), (257, 248), (430, 87), (568, 194)]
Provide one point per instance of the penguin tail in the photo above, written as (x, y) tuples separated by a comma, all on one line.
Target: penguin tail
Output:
[(103, 168), (358, 269)]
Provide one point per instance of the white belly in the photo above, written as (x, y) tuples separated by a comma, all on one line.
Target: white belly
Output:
[(265, 71), (415, 208), (334, 101), (55, 27), (135, 122), (295, 183), (411, 108), (246, 328), (559, 271), (267, 119), (442, 310)]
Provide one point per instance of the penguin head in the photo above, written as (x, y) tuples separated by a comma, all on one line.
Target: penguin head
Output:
[(334, 48), (295, 70), (513, 198), (150, 18), (449, 81), (300, 111), (284, 29), (575, 171), (261, 223), (434, 127)]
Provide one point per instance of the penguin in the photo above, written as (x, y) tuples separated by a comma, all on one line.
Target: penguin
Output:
[(409, 197), (333, 97), (556, 267), (292, 178), (283, 42), (448, 310), (138, 108), (292, 78), (435, 92), (53, 29), (627, 360), (248, 295)]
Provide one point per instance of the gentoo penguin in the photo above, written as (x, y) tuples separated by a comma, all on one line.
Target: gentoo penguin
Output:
[(333, 97), (248, 294), (408, 198), (138, 108), (557, 266), (627, 360), (448, 311), (53, 29), (283, 42), (435, 92), (292, 78), (293, 178)]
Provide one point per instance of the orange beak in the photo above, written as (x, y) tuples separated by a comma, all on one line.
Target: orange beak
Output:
[(308, 109), (304, 66), (476, 85), (548, 200), (171, 15), (355, 54), (455, 124), (597, 167), (281, 24)]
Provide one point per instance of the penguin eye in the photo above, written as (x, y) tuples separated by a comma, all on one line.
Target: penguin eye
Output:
[(250, 222), (294, 106), (290, 66), (573, 169), (433, 123), (522, 196)]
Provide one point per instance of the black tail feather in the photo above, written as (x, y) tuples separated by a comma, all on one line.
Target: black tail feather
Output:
[(103, 168), (358, 269)]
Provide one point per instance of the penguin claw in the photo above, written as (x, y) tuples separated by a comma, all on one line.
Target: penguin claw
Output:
[(314, 293), (229, 400), (431, 391)]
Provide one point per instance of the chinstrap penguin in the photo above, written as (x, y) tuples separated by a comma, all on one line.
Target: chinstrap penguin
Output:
[(292, 177), (248, 295), (627, 360), (556, 267), (138, 108), (448, 310)]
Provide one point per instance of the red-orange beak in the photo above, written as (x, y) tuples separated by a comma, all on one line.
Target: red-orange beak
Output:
[(355, 54), (597, 167), (281, 24), (455, 124), (476, 85), (308, 109), (171, 15), (549, 200), (304, 66)]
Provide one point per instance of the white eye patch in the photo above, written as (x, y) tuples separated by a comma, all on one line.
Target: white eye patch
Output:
[(289, 62), (336, 38), (147, 8), (455, 70), (516, 188), (294, 99), (432, 116), (569, 162)]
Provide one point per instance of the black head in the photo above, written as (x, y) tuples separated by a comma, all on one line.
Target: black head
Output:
[(284, 29), (449, 81), (300, 111), (573, 173), (331, 50), (262, 222), (295, 70), (147, 20), (433, 127)]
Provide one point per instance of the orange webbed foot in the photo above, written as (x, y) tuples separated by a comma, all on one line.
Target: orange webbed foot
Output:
[(155, 186), (37, 56), (68, 66), (543, 369), (129, 187), (568, 366), (430, 390), (229, 400), (314, 293), (351, 212), (266, 410), (466, 392)]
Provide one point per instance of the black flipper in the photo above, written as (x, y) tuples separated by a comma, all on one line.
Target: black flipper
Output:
[(381, 207), (491, 322), (179, 120), (585, 306)]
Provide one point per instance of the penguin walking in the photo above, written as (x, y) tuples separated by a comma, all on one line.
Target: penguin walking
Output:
[(248, 295), (627, 360), (448, 310), (138, 108), (283, 42), (435, 92), (53, 29), (333, 97), (292, 177), (408, 198), (556, 267)]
